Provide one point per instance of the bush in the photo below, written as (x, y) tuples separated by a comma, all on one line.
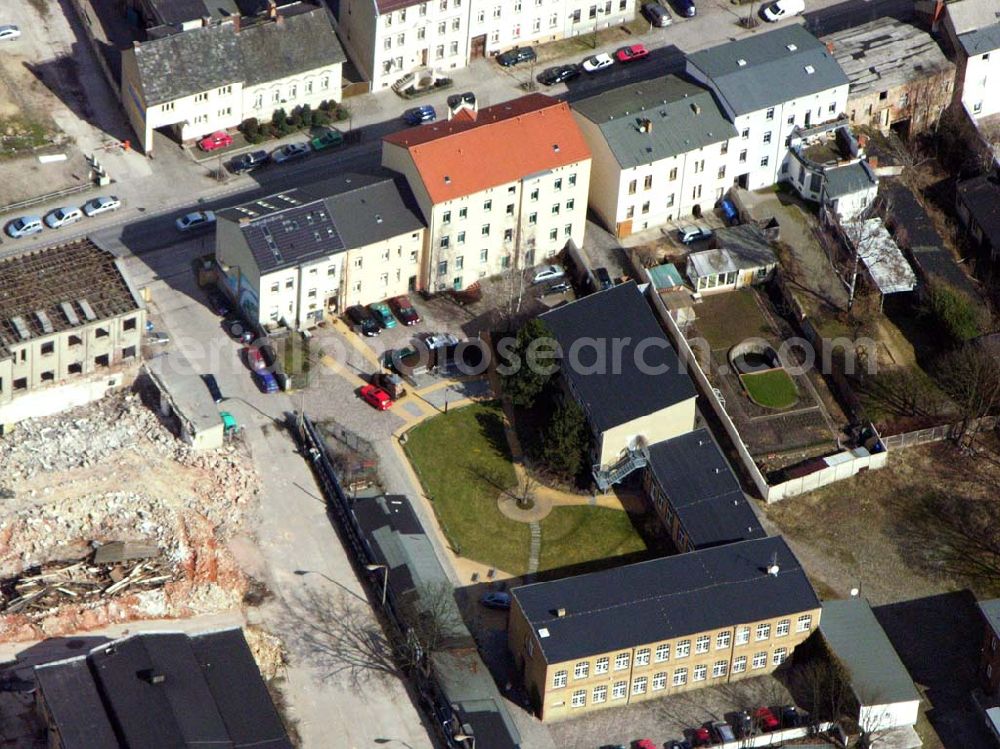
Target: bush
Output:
[(566, 441), (295, 118), (955, 315), (533, 364), (306, 115), (320, 118), (342, 114), (250, 128)]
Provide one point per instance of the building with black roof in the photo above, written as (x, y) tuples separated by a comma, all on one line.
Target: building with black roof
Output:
[(298, 255), (620, 367), (695, 493), (160, 689), (977, 201), (659, 627)]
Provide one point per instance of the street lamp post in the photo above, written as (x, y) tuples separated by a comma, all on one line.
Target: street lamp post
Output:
[(385, 577), (597, 18)]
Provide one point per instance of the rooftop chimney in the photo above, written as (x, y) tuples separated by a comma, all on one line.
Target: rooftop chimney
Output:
[(560, 613), (696, 108), (151, 676), (773, 568)]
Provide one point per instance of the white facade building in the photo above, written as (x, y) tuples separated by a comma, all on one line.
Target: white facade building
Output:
[(973, 30), (768, 85), (211, 78), (490, 206), (661, 152), (388, 39)]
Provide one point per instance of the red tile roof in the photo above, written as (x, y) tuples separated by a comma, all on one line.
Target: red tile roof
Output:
[(505, 142)]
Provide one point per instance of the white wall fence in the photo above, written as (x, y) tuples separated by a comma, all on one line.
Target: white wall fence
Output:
[(938, 433), (844, 465), (778, 738)]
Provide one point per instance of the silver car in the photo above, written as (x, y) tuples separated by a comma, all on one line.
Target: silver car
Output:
[(63, 217), (291, 152), (103, 204), (25, 225), (9, 32), (196, 220)]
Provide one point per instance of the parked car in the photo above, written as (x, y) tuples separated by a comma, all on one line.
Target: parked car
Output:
[(744, 724), (195, 220), (601, 279), (678, 744), (391, 383), (597, 63), (656, 14), (782, 9), (102, 204), (764, 718), (722, 731), (157, 338), (689, 234), (363, 320), (440, 340), (218, 303), (213, 387), (63, 217), (729, 211), (255, 359), (548, 273), (376, 397), (644, 744), (219, 139), (24, 226), (456, 100), (9, 32), (558, 74), (419, 115), (631, 53), (266, 381), (496, 599), (560, 287), (383, 314), (247, 162), (404, 310), (291, 152), (790, 717), (238, 329), (701, 737), (516, 55), (331, 137), (685, 8)]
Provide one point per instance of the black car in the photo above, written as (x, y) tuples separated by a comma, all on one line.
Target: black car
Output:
[(218, 303), (685, 8), (599, 279), (656, 14), (516, 55), (364, 320), (558, 74), (238, 329), (249, 161), (213, 387), (456, 100)]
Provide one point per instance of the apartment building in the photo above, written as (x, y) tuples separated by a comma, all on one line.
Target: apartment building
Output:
[(899, 77), (296, 257), (972, 30), (192, 82), (660, 152), (505, 187), (767, 85), (71, 327), (659, 627), (497, 25), (618, 365), (388, 39), (989, 658)]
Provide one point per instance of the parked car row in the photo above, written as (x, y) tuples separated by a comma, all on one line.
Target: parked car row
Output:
[(371, 320), (24, 226), (744, 724), (591, 65)]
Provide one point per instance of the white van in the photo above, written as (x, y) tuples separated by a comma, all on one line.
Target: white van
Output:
[(783, 9)]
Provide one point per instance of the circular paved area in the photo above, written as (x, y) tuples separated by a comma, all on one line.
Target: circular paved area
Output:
[(508, 506)]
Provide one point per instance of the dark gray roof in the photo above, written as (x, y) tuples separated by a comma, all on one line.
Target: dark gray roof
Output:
[(775, 68), (72, 699), (308, 223), (189, 62), (749, 237), (683, 117), (703, 491), (878, 676), (991, 613), (210, 693), (615, 394), (981, 195), (981, 41), (846, 180), (665, 598)]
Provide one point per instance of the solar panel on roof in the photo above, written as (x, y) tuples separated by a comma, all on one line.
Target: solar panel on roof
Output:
[(44, 321), (70, 313), (22, 330), (88, 311)]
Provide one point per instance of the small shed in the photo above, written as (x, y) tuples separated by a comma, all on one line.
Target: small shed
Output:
[(886, 697), (670, 288), (183, 394), (881, 256), (730, 267), (849, 190)]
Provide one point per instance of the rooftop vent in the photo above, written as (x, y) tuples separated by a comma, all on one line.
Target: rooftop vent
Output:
[(773, 568), (543, 633), (555, 147), (70, 313), (696, 108), (22, 330), (741, 62), (44, 321), (378, 218), (560, 613), (810, 70), (88, 311), (447, 179), (791, 47), (150, 676)]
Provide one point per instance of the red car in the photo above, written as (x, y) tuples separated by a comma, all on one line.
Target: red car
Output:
[(764, 718), (644, 744), (405, 311), (377, 397), (255, 359), (701, 737), (211, 142), (631, 53)]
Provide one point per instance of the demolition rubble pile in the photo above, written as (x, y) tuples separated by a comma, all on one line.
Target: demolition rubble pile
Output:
[(112, 473)]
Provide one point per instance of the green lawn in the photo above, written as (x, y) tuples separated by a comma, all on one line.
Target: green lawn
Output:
[(573, 535), (772, 389), (730, 317), (463, 462)]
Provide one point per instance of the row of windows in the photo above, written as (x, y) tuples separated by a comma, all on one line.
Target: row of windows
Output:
[(682, 649), (658, 681), (400, 15), (103, 360)]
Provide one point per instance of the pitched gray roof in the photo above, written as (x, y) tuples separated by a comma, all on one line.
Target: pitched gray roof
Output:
[(845, 180), (701, 487), (878, 676), (991, 613), (189, 62), (981, 41), (367, 208), (775, 68), (665, 598), (981, 196), (683, 117), (613, 392)]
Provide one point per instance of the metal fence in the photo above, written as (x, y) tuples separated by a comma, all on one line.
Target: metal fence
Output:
[(937, 434), (44, 198)]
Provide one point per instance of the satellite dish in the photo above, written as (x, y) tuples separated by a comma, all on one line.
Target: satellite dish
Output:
[(854, 592)]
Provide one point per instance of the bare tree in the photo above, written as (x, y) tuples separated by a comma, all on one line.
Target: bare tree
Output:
[(874, 718), (524, 490), (971, 376), (510, 286)]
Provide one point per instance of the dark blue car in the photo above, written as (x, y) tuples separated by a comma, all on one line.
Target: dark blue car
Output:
[(419, 115), (685, 8)]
